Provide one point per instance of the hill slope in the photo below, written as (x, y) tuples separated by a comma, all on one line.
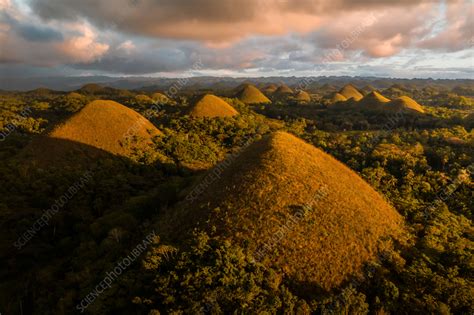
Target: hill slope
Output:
[(407, 104), (373, 100), (212, 106), (102, 126), (259, 200), (349, 91), (284, 89), (271, 88), (338, 97), (302, 96), (249, 94)]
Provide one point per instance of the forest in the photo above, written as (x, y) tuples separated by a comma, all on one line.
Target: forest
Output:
[(68, 225)]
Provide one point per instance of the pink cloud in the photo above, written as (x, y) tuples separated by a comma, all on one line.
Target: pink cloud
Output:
[(459, 30)]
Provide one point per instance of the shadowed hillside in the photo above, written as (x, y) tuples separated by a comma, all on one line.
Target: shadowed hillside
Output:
[(284, 89)]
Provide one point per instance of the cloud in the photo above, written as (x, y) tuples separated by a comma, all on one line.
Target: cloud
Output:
[(211, 20), (458, 33), (154, 36), (25, 40)]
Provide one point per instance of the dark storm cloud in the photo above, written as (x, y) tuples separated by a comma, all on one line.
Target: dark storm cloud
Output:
[(30, 31)]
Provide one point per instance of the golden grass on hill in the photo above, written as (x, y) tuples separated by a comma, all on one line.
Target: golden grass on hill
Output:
[(160, 98), (302, 96), (376, 96), (373, 100), (349, 91), (338, 97), (257, 197), (212, 106), (405, 103), (108, 126), (75, 95), (284, 89), (249, 94), (142, 98), (271, 88)]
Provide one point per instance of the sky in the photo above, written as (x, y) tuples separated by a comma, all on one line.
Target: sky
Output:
[(239, 38)]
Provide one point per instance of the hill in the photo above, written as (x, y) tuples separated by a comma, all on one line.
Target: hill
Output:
[(142, 98), (349, 91), (373, 100), (105, 126), (160, 98), (212, 106), (367, 89), (303, 97), (296, 207), (249, 94), (338, 97), (93, 88), (405, 103), (271, 88), (284, 89), (75, 95)]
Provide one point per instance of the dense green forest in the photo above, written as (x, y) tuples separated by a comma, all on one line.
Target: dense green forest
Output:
[(422, 164)]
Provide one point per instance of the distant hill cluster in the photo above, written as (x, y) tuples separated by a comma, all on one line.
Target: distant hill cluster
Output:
[(349, 97), (227, 83)]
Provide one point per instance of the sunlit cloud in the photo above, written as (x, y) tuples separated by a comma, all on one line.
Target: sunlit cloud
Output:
[(260, 37)]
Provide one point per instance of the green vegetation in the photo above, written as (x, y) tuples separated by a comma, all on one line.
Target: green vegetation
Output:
[(420, 163)]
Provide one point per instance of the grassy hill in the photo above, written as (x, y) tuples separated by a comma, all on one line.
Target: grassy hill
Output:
[(338, 97), (212, 106), (160, 97), (249, 94), (373, 100), (406, 103), (281, 179), (303, 97), (284, 89), (271, 88), (349, 91), (101, 126)]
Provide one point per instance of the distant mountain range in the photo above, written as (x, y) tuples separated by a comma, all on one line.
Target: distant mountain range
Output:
[(152, 83)]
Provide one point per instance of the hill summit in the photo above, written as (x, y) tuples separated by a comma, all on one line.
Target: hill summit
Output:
[(101, 126), (212, 106), (296, 207), (302, 96), (284, 89), (406, 103), (249, 94), (373, 100), (349, 91), (271, 88), (338, 97)]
